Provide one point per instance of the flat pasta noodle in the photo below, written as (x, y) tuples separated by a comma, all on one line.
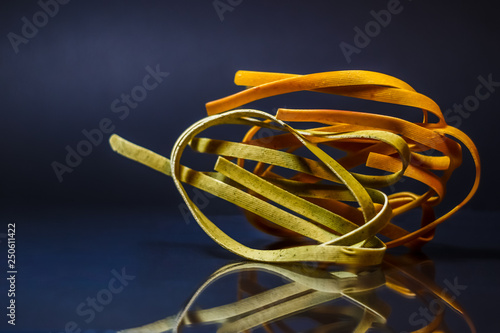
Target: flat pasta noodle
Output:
[(356, 244), (426, 136), (341, 212)]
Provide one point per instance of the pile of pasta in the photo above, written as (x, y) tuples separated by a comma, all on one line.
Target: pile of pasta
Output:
[(316, 195)]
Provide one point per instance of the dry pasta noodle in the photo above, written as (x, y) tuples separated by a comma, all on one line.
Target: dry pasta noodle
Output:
[(340, 211)]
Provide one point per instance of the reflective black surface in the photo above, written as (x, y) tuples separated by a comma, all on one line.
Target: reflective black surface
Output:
[(109, 264), (102, 271)]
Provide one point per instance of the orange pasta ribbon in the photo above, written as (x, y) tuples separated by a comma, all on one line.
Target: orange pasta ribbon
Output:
[(313, 182), (424, 139)]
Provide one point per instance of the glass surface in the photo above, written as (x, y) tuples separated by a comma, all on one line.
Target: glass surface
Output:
[(107, 271)]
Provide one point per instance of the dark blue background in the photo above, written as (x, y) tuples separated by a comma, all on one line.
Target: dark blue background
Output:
[(65, 78)]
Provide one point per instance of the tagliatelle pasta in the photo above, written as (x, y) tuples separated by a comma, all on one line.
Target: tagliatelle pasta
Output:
[(340, 211)]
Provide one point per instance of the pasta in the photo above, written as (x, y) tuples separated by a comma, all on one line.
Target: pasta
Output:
[(343, 213)]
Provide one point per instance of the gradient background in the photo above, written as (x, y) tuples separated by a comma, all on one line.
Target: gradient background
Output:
[(65, 78)]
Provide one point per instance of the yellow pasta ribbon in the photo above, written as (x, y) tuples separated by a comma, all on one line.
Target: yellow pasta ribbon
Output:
[(339, 211)]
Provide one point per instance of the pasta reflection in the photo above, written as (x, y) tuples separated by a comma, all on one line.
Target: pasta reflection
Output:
[(398, 296)]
